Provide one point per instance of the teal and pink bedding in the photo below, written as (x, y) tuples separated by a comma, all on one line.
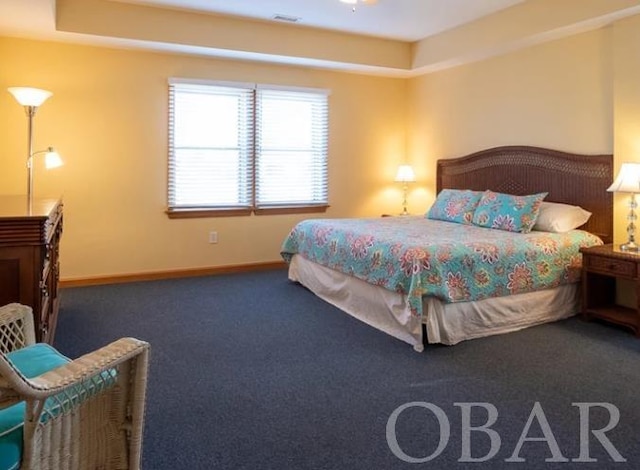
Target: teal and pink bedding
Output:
[(420, 257)]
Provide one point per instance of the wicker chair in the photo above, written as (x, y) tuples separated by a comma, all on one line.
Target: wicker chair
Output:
[(84, 414)]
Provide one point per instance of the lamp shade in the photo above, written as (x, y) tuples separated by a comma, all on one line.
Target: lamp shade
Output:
[(52, 159), (405, 174), (628, 180), (29, 96)]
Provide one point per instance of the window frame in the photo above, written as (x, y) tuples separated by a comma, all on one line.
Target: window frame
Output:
[(177, 212)]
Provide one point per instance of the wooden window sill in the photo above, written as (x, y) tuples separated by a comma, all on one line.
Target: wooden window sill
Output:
[(202, 213), (235, 212)]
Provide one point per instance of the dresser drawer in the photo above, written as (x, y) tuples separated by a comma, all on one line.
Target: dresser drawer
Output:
[(615, 267)]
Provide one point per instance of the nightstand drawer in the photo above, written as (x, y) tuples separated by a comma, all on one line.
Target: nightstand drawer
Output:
[(615, 267)]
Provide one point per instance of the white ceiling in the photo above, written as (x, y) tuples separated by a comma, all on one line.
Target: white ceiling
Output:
[(408, 20)]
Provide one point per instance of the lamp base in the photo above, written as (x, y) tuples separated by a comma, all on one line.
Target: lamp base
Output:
[(630, 247)]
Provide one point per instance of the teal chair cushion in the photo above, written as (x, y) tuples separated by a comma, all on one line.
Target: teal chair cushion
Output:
[(31, 361)]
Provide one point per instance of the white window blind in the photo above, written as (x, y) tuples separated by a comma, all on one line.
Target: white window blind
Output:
[(291, 148), (246, 146)]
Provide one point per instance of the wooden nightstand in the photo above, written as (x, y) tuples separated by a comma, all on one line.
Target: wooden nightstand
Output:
[(601, 266)]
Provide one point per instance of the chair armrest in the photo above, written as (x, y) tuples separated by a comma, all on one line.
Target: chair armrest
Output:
[(82, 369), (16, 327)]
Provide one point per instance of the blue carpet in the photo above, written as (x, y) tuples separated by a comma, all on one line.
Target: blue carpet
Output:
[(251, 371)]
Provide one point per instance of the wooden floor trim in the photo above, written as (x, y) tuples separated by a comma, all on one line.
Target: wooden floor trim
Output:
[(172, 274)]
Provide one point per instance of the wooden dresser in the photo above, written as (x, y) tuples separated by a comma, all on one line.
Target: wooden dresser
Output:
[(29, 266)]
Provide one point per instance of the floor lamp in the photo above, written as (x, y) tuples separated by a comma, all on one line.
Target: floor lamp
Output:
[(31, 99)]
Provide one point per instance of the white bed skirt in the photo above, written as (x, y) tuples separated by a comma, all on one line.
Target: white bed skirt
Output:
[(445, 323)]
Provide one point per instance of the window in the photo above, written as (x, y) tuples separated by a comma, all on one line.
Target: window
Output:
[(238, 148)]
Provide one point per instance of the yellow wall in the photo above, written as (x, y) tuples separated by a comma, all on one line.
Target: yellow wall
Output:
[(579, 94), (555, 95), (626, 59), (626, 86), (108, 119)]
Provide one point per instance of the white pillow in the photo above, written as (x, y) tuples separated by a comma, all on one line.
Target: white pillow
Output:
[(559, 218)]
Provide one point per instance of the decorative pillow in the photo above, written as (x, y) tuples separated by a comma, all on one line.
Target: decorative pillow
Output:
[(455, 205), (560, 218), (507, 212)]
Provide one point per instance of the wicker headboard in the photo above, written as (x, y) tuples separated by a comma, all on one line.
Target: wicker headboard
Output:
[(580, 180)]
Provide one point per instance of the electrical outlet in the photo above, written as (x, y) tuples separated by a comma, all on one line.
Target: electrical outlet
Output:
[(213, 237)]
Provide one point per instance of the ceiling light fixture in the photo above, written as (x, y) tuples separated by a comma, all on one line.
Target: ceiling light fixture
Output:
[(359, 2)]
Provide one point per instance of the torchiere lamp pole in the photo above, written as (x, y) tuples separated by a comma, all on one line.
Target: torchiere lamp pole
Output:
[(31, 99)]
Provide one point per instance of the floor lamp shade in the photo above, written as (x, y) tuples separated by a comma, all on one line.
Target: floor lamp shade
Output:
[(52, 159), (29, 96)]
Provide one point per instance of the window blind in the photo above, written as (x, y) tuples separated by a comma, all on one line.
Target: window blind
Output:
[(210, 145), (245, 146), (291, 148)]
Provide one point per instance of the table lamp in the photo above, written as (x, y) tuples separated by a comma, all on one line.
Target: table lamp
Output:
[(405, 175), (628, 181)]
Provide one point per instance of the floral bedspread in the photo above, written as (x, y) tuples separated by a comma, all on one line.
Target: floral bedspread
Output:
[(416, 256)]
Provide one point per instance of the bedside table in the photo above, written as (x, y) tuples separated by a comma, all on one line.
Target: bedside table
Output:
[(601, 266)]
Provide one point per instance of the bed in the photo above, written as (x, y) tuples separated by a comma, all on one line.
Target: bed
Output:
[(400, 276)]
